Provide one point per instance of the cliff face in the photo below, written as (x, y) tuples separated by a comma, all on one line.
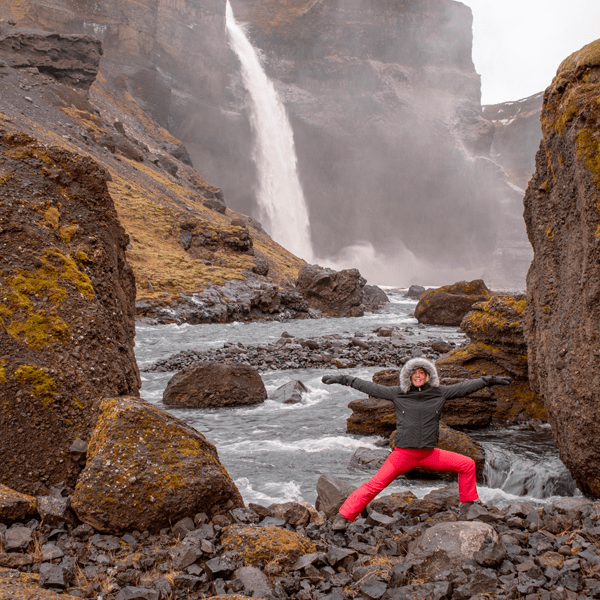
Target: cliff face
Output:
[(517, 136), (385, 105), (562, 214)]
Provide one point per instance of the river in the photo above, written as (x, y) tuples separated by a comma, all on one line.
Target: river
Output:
[(276, 452)]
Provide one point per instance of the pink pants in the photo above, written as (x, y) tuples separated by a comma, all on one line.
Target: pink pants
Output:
[(402, 460)]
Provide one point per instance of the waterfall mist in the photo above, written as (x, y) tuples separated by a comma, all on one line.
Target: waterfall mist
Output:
[(280, 197)]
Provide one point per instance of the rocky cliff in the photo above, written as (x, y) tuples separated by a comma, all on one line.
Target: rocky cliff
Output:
[(562, 213), (385, 104)]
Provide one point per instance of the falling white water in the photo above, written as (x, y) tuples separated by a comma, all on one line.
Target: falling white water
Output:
[(280, 195)]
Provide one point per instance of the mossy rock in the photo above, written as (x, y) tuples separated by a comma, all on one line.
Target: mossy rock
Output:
[(146, 469), (588, 56), (15, 506), (448, 304), (25, 586), (388, 505), (261, 545)]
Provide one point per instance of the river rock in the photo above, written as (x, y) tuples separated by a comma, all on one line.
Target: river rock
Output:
[(260, 545), (331, 494), (333, 293), (15, 506), (453, 441), (458, 541), (415, 291), (374, 416), (497, 347), (562, 317), (214, 385), (289, 393), (374, 297), (147, 469), (449, 304), (67, 329)]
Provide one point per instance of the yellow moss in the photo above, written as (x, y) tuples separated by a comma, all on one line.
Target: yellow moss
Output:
[(550, 234), (39, 330), (67, 232), (42, 385), (52, 217), (82, 257), (588, 149), (588, 56), (77, 404), (3, 371), (64, 267)]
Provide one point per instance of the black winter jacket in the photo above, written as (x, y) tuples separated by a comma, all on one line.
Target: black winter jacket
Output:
[(418, 410)]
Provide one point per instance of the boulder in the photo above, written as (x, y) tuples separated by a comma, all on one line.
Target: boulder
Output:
[(453, 441), (15, 506), (289, 393), (497, 347), (449, 304), (212, 384), (374, 296), (333, 293), (293, 513), (388, 505), (146, 469), (436, 501), (562, 316), (331, 494), (458, 541), (415, 291), (261, 545), (67, 326), (374, 416)]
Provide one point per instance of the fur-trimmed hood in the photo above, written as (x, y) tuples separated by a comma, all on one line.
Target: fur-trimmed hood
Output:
[(412, 365)]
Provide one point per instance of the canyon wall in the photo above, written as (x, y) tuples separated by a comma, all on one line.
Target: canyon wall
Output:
[(562, 214)]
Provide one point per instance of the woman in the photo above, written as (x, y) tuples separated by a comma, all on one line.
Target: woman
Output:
[(418, 400)]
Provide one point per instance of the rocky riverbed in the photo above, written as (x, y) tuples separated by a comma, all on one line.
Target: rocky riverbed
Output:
[(403, 547), (389, 346)]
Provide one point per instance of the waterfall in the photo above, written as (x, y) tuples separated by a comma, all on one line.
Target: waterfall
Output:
[(280, 197)]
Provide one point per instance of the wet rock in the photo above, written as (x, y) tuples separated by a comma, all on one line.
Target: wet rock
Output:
[(15, 506), (215, 384), (260, 545), (415, 291), (181, 474), (54, 510), (333, 293), (374, 296), (289, 393), (331, 494), (449, 304)]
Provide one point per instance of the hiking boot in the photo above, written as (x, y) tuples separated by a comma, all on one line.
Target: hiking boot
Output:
[(340, 523)]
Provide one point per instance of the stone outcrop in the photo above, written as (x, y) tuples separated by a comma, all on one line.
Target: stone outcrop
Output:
[(497, 347), (70, 59), (66, 316), (562, 316), (146, 469), (207, 385), (449, 304), (332, 293)]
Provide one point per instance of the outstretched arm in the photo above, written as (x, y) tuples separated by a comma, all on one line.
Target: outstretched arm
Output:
[(458, 390), (373, 389)]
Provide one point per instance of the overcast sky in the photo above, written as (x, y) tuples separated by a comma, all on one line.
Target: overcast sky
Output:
[(518, 44)]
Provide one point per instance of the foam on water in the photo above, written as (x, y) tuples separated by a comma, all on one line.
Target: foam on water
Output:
[(308, 445), (275, 492)]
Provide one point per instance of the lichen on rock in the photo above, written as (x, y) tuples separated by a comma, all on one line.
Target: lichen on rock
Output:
[(261, 545), (146, 469)]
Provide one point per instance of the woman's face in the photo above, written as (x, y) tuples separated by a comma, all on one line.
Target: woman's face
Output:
[(418, 377)]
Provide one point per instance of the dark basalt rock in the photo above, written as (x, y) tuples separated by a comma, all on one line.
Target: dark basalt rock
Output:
[(215, 384)]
